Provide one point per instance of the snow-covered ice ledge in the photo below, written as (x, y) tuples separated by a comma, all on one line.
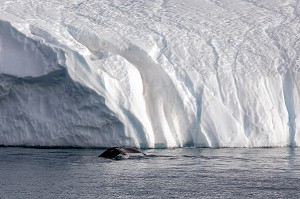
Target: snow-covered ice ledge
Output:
[(71, 76)]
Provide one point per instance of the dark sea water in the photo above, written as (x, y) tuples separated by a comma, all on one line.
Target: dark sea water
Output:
[(168, 173)]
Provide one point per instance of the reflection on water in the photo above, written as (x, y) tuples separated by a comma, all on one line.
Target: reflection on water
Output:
[(168, 173)]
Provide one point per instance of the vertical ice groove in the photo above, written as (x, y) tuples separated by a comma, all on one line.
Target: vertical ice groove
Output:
[(160, 95), (288, 87), (216, 66), (199, 137), (239, 102)]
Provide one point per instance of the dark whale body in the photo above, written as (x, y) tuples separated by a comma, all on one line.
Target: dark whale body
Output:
[(121, 151)]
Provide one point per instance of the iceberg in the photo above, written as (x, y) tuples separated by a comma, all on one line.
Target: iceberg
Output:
[(88, 73)]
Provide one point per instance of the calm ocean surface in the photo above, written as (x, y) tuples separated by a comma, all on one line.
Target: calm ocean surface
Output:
[(167, 173)]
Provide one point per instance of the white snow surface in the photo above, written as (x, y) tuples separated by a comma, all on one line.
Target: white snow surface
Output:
[(159, 73)]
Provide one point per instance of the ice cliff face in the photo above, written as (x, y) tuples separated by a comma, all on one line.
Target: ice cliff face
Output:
[(150, 73)]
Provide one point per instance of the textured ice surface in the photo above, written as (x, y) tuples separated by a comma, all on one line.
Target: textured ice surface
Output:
[(161, 73)]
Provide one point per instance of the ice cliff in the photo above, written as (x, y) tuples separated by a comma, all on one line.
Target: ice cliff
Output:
[(161, 73)]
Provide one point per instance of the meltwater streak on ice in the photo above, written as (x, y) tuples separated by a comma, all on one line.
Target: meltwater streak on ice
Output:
[(149, 74)]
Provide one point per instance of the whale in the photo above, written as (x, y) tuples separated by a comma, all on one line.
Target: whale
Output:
[(121, 152)]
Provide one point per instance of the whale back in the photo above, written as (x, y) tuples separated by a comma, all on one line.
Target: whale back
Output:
[(115, 151)]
